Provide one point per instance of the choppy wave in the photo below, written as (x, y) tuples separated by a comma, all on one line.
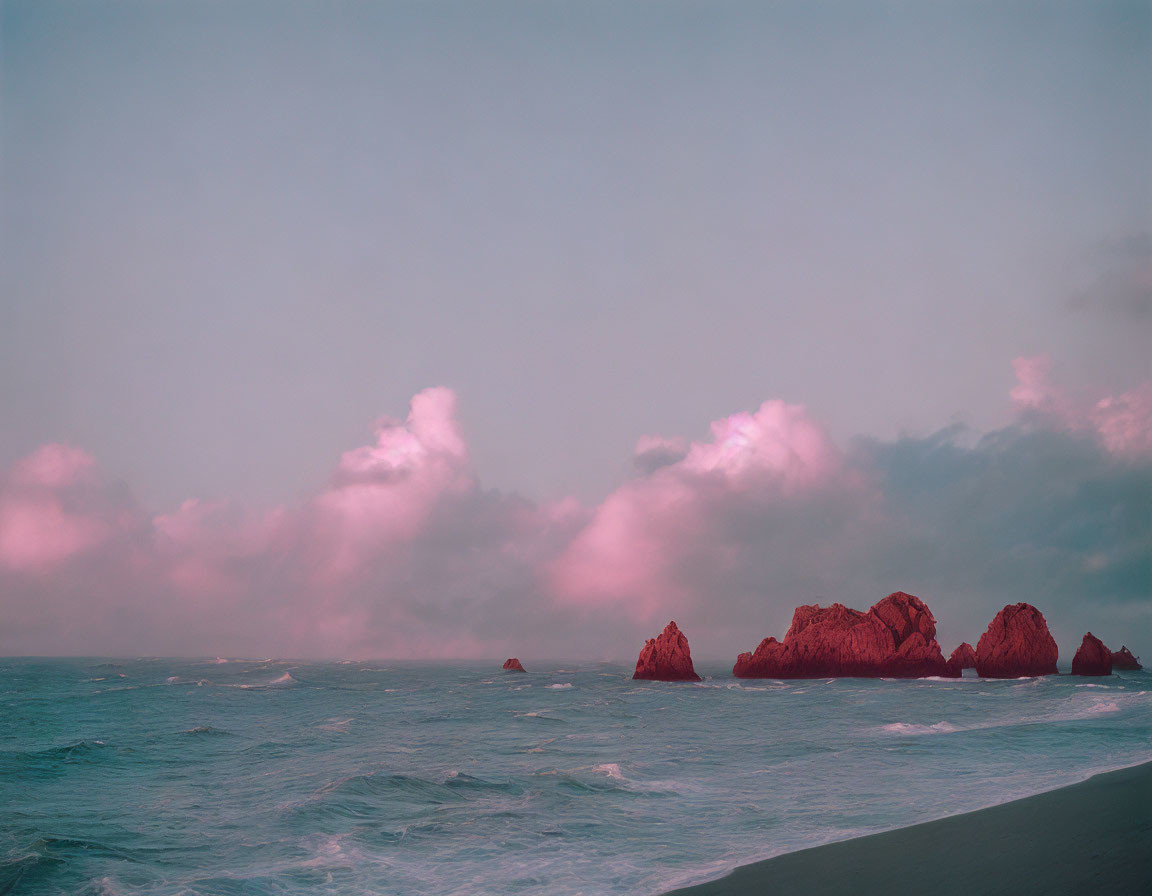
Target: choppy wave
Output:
[(81, 751)]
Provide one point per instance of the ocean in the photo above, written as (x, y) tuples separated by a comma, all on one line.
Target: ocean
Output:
[(161, 776)]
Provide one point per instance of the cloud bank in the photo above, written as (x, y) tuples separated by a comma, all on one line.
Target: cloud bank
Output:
[(403, 553)]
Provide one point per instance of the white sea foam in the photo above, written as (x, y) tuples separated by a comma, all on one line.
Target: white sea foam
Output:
[(908, 728), (612, 770), (559, 686), (947, 680), (105, 886), (284, 681), (330, 851), (1073, 709)]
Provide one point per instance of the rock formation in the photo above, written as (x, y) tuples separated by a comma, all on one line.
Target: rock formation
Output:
[(1093, 658), (963, 657), (666, 658), (894, 639), (1123, 659), (513, 665), (1016, 644)]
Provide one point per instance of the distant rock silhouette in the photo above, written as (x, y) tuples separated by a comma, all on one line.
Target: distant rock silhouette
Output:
[(963, 657), (1016, 644), (666, 658), (894, 639), (1093, 658), (513, 665), (1123, 659)]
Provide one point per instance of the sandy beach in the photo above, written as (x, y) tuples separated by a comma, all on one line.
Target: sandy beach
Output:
[(1095, 836)]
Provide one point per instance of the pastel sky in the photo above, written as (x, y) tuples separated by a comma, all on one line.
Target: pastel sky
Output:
[(444, 329)]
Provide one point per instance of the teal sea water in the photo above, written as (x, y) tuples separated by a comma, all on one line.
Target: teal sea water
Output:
[(157, 776)]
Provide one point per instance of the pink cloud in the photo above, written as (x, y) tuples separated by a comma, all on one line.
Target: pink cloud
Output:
[(36, 534), (779, 441), (428, 441), (1123, 423), (402, 553), (383, 494), (54, 466), (629, 553), (204, 548), (402, 533), (46, 513), (315, 575), (1034, 389)]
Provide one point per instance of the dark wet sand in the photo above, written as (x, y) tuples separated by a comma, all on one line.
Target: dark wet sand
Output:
[(1089, 838)]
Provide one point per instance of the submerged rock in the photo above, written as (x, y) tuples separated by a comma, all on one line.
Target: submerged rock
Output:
[(1016, 644), (894, 639), (666, 658), (513, 665), (963, 657), (1093, 658), (1123, 659)]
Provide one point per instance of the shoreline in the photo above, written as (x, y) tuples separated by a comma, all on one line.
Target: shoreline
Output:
[(1094, 835)]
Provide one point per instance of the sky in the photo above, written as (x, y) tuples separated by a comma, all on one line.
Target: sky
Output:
[(443, 329)]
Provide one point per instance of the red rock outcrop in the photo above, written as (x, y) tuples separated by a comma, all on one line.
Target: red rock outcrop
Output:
[(1123, 659), (666, 658), (894, 639), (513, 665), (1016, 644), (1093, 658), (963, 657)]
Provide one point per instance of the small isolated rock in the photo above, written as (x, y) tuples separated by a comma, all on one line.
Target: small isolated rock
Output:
[(963, 657), (513, 665), (1093, 658), (1123, 659), (1017, 644), (666, 658)]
